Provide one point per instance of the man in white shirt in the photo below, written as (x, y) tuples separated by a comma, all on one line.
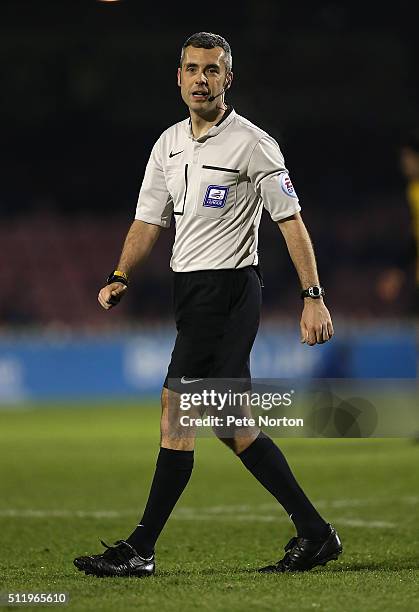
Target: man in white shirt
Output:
[(214, 172)]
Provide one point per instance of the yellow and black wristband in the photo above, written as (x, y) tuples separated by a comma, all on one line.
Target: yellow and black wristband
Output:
[(117, 276)]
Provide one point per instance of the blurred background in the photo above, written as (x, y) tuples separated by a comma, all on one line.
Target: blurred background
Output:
[(87, 88)]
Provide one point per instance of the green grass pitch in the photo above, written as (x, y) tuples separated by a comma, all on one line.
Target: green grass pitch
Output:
[(70, 476)]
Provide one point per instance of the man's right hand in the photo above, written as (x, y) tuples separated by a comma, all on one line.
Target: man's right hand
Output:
[(110, 295)]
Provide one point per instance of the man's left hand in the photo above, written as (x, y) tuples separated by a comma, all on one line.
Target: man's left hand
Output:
[(316, 324)]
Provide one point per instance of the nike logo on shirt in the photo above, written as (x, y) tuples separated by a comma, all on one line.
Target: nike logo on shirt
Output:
[(173, 154)]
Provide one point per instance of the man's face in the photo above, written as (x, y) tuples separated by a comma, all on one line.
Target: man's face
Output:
[(202, 74), (409, 162)]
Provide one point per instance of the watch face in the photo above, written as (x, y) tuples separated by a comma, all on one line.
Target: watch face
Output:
[(314, 291)]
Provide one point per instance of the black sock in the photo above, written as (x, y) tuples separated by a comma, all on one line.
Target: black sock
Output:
[(267, 463), (173, 470)]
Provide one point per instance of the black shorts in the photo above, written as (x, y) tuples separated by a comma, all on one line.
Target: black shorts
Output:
[(217, 316)]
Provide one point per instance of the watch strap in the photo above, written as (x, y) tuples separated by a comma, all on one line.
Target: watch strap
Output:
[(117, 276), (315, 292)]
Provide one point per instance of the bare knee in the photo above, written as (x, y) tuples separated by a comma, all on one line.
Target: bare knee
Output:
[(172, 434), (238, 444)]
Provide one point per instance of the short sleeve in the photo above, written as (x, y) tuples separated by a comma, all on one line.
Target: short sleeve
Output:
[(155, 204), (271, 181)]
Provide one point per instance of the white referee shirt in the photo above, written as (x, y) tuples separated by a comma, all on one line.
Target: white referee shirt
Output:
[(216, 187)]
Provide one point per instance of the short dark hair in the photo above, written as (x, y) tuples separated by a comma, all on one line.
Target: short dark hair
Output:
[(208, 40)]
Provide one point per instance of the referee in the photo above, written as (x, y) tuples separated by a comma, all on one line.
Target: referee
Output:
[(214, 172)]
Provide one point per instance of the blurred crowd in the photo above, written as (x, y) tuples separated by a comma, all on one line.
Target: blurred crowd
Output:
[(53, 266)]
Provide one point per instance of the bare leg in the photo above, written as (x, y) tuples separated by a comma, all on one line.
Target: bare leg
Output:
[(172, 434)]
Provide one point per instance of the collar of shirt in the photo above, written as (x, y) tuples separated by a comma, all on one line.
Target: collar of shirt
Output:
[(225, 120)]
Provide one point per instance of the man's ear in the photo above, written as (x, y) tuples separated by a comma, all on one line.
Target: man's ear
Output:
[(179, 77), (229, 80)]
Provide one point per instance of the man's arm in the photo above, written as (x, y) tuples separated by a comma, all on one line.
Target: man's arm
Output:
[(138, 244), (316, 325)]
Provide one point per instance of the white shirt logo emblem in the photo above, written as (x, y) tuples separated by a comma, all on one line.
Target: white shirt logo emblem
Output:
[(216, 196), (286, 185)]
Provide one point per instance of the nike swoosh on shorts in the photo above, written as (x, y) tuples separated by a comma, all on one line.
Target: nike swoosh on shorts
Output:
[(186, 381)]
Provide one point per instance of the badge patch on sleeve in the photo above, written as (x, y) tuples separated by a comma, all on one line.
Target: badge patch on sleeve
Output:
[(287, 186), (216, 196)]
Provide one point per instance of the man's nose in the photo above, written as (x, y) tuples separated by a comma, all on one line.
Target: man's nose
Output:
[(201, 78)]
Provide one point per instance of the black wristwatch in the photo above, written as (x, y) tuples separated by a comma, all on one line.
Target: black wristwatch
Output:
[(117, 276), (314, 292)]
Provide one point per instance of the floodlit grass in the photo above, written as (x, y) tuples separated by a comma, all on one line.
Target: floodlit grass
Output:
[(70, 476)]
